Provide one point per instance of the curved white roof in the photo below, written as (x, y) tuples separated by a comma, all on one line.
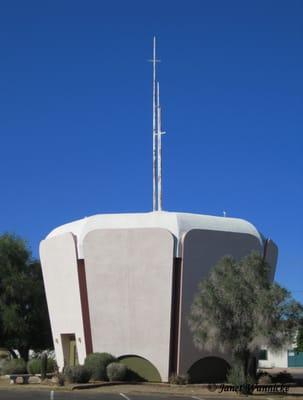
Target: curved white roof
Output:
[(176, 223)]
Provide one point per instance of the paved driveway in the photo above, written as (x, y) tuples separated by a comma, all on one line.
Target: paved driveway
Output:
[(46, 395)]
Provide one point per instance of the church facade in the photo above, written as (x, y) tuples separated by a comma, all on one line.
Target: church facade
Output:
[(124, 284)]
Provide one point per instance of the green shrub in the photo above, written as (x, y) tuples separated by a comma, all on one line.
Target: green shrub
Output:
[(97, 363), (176, 379), (4, 357), (264, 378), (77, 374), (283, 377), (236, 377), (51, 365), (14, 366), (34, 366), (116, 371)]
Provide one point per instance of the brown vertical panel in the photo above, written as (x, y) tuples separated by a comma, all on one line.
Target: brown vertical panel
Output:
[(270, 255), (175, 307), (85, 307), (265, 249)]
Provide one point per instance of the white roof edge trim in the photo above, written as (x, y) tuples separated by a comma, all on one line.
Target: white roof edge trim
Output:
[(175, 222)]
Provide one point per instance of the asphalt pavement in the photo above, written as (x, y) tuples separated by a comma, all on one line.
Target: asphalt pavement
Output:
[(47, 395)]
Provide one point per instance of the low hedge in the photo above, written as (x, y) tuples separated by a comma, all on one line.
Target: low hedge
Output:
[(176, 379), (283, 377), (97, 363), (77, 374), (14, 366), (116, 372), (34, 366)]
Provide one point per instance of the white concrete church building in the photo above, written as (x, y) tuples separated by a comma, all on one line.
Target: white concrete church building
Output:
[(124, 283)]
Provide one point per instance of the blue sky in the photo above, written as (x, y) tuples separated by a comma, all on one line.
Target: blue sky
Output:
[(75, 107)]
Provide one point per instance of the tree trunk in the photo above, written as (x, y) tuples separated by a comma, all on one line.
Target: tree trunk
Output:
[(243, 358), (24, 353), (252, 367), (246, 356)]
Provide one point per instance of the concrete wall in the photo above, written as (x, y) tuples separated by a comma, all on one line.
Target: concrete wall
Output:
[(278, 359), (60, 275), (201, 250), (129, 289), (129, 284)]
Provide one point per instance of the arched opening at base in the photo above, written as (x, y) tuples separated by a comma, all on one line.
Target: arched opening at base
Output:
[(140, 369), (209, 370)]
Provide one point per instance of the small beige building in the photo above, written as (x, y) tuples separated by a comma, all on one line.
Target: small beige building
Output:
[(124, 284)]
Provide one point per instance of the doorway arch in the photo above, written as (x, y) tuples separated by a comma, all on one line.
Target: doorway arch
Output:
[(209, 370), (140, 368)]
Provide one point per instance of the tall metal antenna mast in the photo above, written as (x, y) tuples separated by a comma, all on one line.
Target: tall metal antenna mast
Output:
[(154, 60), (159, 136), (157, 147)]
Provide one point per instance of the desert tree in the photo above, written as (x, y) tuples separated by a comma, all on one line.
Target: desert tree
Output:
[(24, 320), (237, 309)]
